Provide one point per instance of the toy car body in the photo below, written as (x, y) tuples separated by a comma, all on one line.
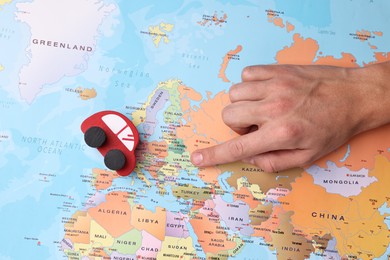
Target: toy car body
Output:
[(120, 134)]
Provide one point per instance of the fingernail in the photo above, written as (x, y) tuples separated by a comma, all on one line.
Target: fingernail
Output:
[(197, 158)]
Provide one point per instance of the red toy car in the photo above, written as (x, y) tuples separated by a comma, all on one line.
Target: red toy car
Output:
[(116, 138)]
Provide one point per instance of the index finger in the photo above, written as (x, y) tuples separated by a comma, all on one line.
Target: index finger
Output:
[(236, 149)]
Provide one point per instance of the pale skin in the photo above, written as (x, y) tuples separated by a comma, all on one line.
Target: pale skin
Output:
[(289, 116)]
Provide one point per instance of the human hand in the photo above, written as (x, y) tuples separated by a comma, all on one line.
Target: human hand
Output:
[(289, 116)]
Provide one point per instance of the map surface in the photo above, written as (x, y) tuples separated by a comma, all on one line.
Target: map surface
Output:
[(167, 65)]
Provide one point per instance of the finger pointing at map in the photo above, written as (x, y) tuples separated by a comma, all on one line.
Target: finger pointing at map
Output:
[(290, 116)]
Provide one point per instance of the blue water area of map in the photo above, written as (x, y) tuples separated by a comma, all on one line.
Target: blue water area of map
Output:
[(385, 209), (309, 13), (38, 183), (253, 250), (124, 56), (148, 196), (152, 199), (347, 153), (24, 220), (193, 180), (155, 8), (211, 45), (222, 180), (32, 206)]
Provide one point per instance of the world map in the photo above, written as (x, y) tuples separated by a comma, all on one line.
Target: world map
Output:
[(168, 66)]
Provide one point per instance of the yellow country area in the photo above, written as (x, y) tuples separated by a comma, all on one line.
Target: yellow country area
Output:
[(175, 247), (158, 32), (140, 115), (166, 26), (99, 236), (1, 67), (355, 222), (3, 2)]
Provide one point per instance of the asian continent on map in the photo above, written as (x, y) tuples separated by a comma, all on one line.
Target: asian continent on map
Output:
[(168, 66)]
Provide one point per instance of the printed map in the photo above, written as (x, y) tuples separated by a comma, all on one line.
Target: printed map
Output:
[(168, 66)]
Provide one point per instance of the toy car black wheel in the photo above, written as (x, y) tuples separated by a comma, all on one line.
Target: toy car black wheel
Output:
[(115, 159), (95, 137)]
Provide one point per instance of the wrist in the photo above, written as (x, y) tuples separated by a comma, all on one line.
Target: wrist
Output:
[(374, 96)]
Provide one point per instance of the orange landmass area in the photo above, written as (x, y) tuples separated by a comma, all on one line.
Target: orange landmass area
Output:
[(114, 214), (209, 175), (205, 228), (346, 60), (158, 149), (103, 178), (271, 17), (226, 61), (278, 22), (79, 230), (265, 229), (355, 222), (380, 57), (185, 104), (199, 120), (186, 95), (87, 93), (246, 196), (363, 35), (373, 47), (290, 27), (363, 149), (152, 222), (378, 33), (220, 20), (215, 20), (302, 51)]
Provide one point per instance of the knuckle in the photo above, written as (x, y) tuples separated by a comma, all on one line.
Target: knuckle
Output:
[(267, 165), (236, 149), (284, 83), (233, 93), (209, 155), (289, 132), (228, 115)]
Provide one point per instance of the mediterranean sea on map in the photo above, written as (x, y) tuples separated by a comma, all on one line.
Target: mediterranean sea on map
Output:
[(168, 66)]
